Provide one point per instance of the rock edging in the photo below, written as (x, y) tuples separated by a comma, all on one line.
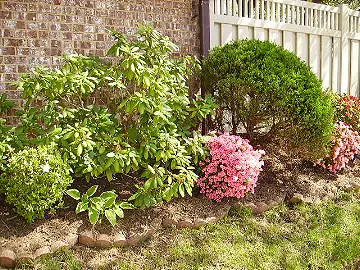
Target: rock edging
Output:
[(9, 259)]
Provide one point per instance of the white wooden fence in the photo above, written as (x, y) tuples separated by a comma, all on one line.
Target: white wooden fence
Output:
[(326, 37)]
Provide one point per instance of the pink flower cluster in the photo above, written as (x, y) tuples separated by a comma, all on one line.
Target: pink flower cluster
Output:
[(346, 144), (232, 168)]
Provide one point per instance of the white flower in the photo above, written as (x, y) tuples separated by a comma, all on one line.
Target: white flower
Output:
[(46, 167)]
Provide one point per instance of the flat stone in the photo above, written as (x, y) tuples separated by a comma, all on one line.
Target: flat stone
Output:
[(210, 220), (72, 239), (119, 240), (185, 224), (7, 258), (87, 238), (137, 239), (252, 206), (42, 251), (58, 245), (103, 241), (297, 198), (199, 223), (169, 222), (261, 207)]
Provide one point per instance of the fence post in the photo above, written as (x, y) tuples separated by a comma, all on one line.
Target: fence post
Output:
[(344, 49)]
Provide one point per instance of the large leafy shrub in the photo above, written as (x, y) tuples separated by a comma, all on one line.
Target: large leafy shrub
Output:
[(270, 92), (345, 145), (132, 115), (35, 181), (232, 169)]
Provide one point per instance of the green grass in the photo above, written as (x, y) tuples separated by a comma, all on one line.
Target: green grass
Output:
[(321, 236)]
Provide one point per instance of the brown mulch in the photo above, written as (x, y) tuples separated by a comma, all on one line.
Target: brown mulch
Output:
[(281, 178)]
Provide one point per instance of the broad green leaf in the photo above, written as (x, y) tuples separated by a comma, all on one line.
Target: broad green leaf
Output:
[(151, 169), (108, 194), (109, 175), (81, 207), (74, 193), (147, 184), (116, 166), (91, 191), (182, 190), (133, 197), (118, 211), (110, 155), (93, 216), (79, 149), (110, 202), (188, 189), (111, 216), (126, 205)]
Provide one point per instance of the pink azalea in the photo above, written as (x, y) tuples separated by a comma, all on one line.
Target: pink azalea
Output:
[(232, 169)]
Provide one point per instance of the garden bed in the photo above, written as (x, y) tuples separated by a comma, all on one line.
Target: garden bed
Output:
[(281, 179)]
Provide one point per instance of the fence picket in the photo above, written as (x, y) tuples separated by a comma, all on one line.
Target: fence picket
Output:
[(326, 38)]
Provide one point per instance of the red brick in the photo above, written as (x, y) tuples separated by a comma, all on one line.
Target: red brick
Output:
[(35, 32), (7, 51), (4, 14)]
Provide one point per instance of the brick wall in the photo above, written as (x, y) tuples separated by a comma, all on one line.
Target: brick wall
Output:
[(38, 31)]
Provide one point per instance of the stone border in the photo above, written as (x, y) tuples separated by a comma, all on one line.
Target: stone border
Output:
[(9, 259)]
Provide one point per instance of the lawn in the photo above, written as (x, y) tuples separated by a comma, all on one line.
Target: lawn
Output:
[(317, 236)]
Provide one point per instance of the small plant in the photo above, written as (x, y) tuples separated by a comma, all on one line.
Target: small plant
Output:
[(345, 145), (232, 168), (271, 93), (348, 111), (97, 207), (35, 181)]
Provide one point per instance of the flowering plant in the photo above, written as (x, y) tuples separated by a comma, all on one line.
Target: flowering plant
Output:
[(232, 168), (346, 144), (348, 111)]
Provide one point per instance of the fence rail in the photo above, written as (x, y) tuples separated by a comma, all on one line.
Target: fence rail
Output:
[(326, 37)]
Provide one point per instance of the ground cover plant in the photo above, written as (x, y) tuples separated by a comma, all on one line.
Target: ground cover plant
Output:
[(307, 236), (271, 93), (131, 116)]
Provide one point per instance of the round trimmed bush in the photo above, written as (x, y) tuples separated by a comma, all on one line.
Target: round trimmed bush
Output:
[(35, 181), (270, 92)]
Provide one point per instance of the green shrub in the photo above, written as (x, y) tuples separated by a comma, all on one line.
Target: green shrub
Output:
[(270, 92), (6, 132), (35, 181), (131, 116)]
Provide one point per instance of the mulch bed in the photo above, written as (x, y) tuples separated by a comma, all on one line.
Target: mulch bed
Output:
[(281, 178)]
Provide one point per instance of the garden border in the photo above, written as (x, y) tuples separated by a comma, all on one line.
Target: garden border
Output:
[(87, 238)]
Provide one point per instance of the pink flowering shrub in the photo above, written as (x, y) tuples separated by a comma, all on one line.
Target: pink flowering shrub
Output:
[(346, 144), (232, 168)]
